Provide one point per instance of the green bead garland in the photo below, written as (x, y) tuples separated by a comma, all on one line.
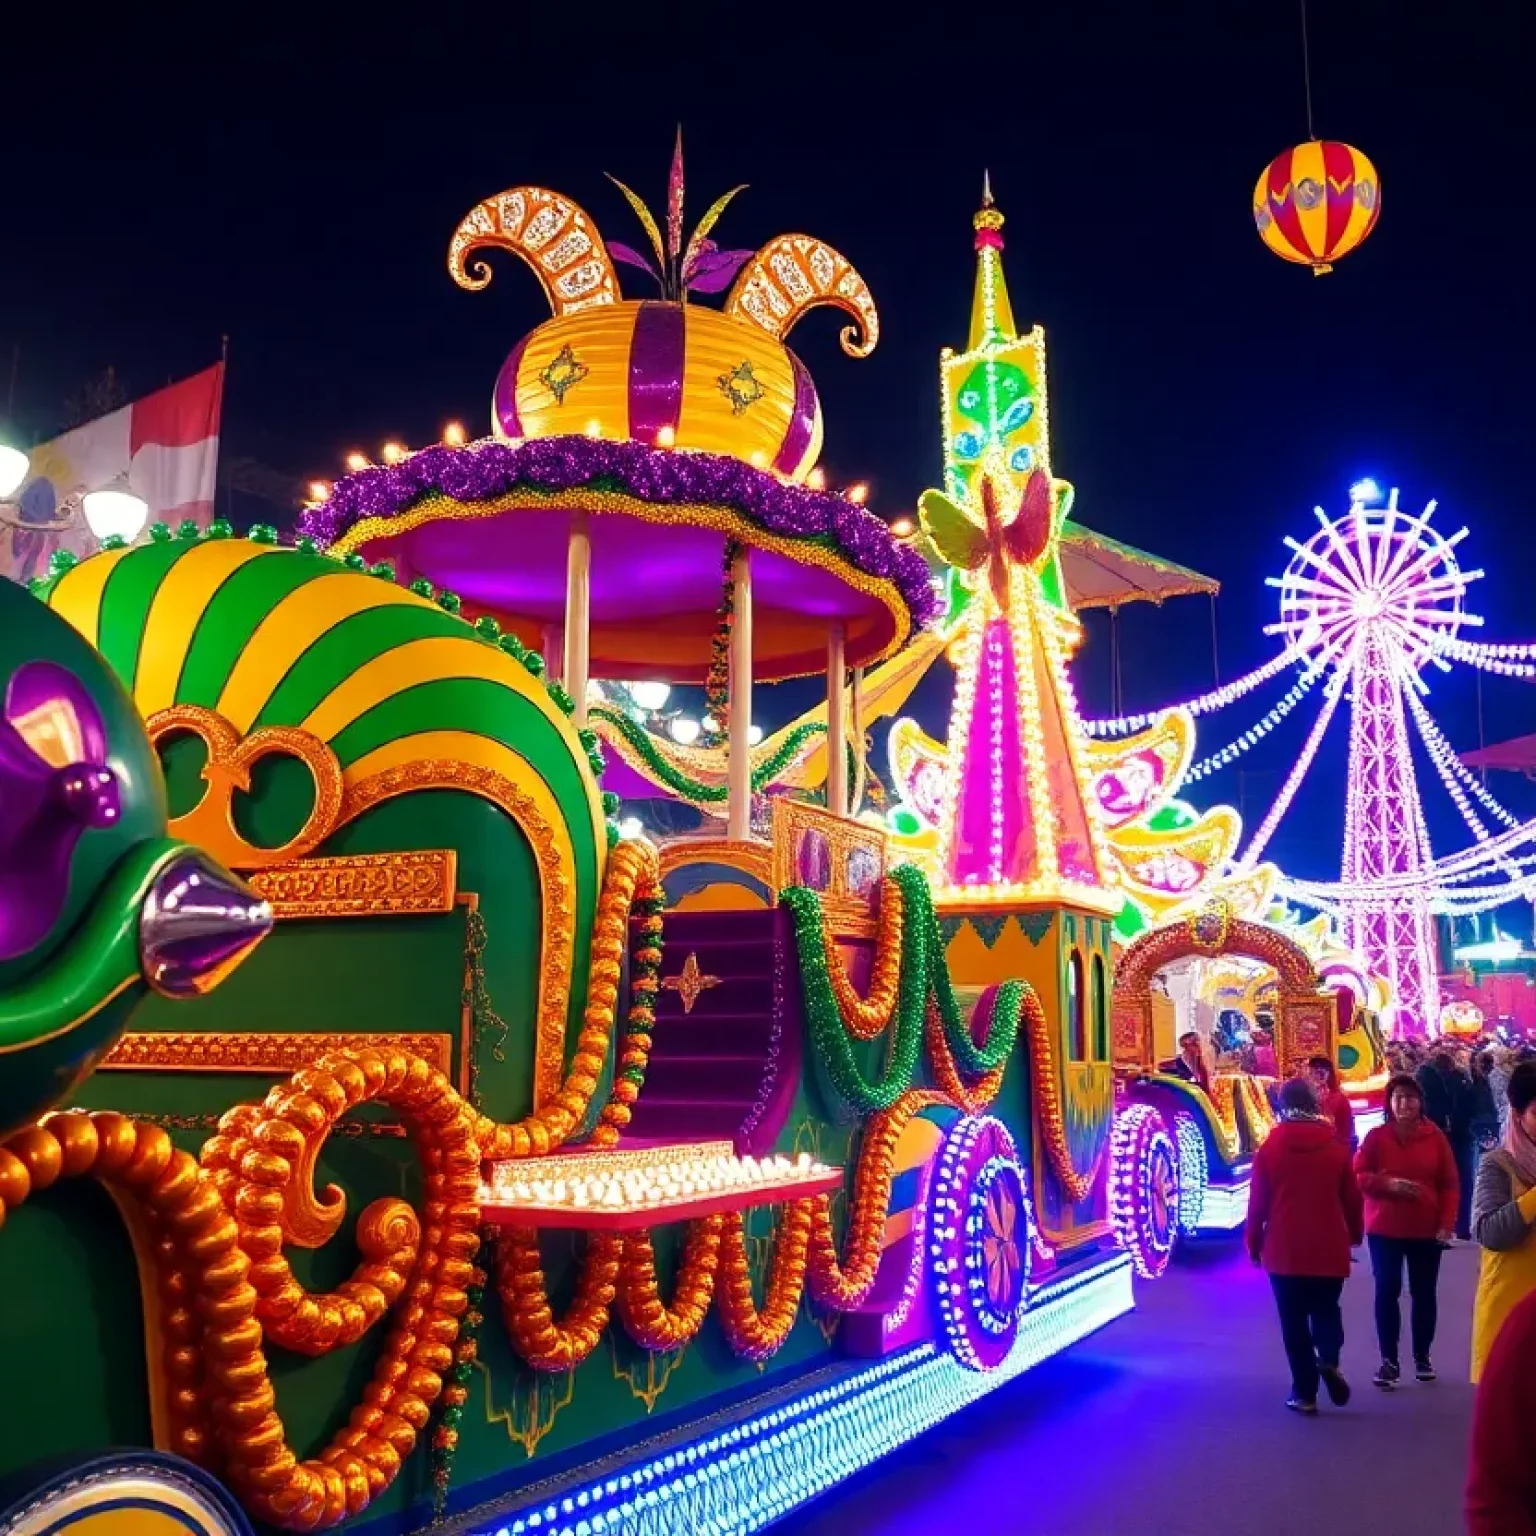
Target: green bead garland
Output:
[(923, 973)]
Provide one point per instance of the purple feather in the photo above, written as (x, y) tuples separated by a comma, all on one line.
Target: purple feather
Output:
[(714, 271), (630, 257)]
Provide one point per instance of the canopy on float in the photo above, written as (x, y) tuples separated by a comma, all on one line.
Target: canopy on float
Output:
[(1517, 756), (1101, 572), (656, 576)]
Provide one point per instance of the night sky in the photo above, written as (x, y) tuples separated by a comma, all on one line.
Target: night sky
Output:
[(297, 193)]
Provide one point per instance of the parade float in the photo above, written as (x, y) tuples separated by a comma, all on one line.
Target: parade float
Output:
[(527, 1177)]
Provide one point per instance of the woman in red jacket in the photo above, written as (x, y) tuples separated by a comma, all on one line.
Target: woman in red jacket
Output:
[(1304, 1215), (1501, 1476), (1407, 1174)]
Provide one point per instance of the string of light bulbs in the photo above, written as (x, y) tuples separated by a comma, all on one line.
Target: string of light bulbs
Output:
[(1202, 704), (1256, 733)]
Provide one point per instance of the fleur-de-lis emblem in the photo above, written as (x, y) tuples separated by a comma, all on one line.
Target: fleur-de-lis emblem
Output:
[(564, 372), (741, 387)]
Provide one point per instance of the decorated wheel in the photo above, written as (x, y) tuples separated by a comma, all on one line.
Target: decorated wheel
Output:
[(980, 1241), (1144, 1189), (122, 1491), (1194, 1173)]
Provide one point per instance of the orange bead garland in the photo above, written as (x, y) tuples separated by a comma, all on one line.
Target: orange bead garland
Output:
[(973, 1099), (545, 1343), (1076, 1185), (753, 1332), (647, 1319), (866, 1017), (632, 871)]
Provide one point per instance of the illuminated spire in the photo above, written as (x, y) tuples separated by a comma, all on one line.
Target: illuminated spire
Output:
[(991, 313)]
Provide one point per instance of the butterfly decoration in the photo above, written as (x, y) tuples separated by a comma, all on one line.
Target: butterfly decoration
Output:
[(991, 544)]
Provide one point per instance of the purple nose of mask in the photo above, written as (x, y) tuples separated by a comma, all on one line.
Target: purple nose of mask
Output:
[(197, 924)]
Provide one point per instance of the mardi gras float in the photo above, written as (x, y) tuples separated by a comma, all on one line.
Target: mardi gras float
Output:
[(526, 1176), (986, 817)]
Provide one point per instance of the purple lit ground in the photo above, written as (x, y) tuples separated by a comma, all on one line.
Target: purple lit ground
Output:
[(1169, 1423)]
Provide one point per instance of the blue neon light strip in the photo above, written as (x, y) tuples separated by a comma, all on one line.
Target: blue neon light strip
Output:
[(740, 1479)]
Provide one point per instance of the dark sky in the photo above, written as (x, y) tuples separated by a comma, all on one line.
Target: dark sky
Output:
[(296, 191)]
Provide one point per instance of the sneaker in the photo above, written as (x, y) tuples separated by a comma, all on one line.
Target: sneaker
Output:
[(1302, 1405), (1387, 1375), (1335, 1385), (1423, 1370)]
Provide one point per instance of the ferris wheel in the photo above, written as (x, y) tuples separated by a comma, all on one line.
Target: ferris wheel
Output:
[(1381, 577), (1372, 601)]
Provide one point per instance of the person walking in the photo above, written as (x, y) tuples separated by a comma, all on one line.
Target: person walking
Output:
[(1332, 1101), (1304, 1215), (1447, 1091), (1504, 1219), (1407, 1175), (1501, 1471)]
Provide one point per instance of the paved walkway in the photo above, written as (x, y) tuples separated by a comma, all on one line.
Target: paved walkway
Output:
[(1169, 1423)]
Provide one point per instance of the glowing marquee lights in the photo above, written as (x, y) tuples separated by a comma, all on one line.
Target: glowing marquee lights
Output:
[(1017, 819)]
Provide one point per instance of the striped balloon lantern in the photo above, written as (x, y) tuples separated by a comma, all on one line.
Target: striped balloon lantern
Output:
[(1315, 203)]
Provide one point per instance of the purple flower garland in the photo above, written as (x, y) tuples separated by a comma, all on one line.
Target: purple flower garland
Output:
[(484, 471)]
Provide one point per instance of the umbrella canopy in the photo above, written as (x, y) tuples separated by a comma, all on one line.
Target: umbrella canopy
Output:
[(1101, 572), (1518, 756)]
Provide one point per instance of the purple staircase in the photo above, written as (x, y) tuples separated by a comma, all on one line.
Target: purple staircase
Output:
[(725, 1057)]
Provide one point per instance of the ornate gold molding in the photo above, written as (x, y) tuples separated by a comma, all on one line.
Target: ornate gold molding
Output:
[(231, 757), (279, 1054), (362, 885)]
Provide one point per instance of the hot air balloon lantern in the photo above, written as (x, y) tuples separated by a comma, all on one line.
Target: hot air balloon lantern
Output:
[(1315, 203), (663, 371)]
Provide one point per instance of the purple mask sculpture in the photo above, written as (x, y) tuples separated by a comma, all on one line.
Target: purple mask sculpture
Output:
[(54, 786)]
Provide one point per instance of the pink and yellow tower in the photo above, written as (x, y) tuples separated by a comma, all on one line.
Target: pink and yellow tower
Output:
[(1026, 885)]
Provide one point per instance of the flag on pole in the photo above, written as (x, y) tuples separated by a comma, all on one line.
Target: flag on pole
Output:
[(166, 445)]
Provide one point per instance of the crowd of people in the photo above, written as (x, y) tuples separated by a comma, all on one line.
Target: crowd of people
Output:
[(1453, 1159)]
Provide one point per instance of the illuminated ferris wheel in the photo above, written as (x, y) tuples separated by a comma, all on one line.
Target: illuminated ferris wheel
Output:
[(1368, 604), (1383, 578)]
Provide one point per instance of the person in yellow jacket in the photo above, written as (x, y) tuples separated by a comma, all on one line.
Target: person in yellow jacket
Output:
[(1504, 1217)]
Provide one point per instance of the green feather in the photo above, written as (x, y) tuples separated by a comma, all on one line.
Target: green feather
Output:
[(707, 223)]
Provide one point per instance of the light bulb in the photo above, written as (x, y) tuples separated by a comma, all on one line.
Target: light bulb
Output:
[(357, 461), (115, 513), (685, 731), (754, 735), (817, 479), (650, 696), (319, 490), (903, 528), (393, 452), (858, 494), (13, 469), (631, 827), (666, 437), (453, 435)]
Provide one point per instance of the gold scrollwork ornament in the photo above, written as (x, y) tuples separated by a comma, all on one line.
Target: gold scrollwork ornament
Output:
[(231, 757)]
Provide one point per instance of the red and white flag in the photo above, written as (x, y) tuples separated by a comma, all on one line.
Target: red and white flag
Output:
[(166, 446)]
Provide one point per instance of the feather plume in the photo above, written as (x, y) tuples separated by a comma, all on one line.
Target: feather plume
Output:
[(675, 200), (707, 223), (647, 221)]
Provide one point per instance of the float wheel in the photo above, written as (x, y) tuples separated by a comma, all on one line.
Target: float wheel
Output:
[(1194, 1173), (1144, 1189), (979, 1241)]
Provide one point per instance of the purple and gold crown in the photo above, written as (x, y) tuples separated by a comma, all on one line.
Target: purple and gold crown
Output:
[(664, 372)]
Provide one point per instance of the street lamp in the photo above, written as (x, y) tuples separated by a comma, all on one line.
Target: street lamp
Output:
[(13, 470), (115, 512)]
